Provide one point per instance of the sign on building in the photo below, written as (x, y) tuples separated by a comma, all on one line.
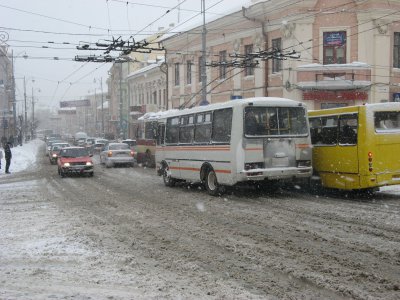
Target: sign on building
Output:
[(75, 103)]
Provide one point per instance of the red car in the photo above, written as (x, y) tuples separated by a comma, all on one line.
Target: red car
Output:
[(75, 160)]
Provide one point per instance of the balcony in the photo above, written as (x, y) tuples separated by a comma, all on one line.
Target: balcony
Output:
[(334, 77)]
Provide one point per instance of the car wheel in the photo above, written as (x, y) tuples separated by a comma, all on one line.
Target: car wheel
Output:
[(168, 180), (212, 185), (91, 174)]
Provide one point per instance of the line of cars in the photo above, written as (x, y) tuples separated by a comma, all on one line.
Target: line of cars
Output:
[(78, 159)]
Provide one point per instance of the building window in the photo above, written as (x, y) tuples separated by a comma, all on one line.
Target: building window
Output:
[(248, 71), (396, 50), (188, 72), (176, 74), (335, 47), (200, 67), (222, 66), (276, 63), (155, 97)]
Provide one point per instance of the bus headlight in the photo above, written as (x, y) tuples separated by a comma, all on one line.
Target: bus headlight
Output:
[(67, 164), (89, 163)]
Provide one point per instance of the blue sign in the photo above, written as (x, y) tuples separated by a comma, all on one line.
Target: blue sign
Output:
[(396, 97), (234, 97), (337, 38)]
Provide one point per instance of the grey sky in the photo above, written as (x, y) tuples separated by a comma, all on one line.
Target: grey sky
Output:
[(48, 29)]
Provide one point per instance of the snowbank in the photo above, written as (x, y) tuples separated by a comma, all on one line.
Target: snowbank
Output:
[(23, 156)]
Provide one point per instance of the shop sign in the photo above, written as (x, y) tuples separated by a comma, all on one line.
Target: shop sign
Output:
[(335, 95)]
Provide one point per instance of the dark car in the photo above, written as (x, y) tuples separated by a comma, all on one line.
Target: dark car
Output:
[(55, 151), (75, 160)]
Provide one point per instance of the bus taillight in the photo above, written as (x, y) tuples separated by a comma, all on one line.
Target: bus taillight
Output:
[(370, 162)]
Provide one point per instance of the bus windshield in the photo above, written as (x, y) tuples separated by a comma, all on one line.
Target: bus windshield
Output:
[(274, 121)]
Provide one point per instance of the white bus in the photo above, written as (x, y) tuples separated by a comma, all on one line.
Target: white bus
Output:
[(258, 140)]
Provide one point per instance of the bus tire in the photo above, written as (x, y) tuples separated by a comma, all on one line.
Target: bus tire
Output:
[(212, 186), (168, 180)]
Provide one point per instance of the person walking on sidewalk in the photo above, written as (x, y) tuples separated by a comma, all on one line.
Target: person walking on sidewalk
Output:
[(1, 157), (8, 156)]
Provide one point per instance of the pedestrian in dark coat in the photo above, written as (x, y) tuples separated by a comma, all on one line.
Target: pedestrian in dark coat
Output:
[(7, 156)]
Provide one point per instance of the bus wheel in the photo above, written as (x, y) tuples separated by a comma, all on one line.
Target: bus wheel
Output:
[(168, 180), (212, 185)]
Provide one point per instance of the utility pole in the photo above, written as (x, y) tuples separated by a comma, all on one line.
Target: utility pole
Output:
[(25, 112), (33, 114), (95, 112), (14, 100), (102, 106), (120, 101), (203, 60)]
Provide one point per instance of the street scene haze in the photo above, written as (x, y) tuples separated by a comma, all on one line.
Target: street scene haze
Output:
[(199, 149)]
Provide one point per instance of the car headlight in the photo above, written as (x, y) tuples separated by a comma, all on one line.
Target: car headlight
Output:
[(89, 163), (54, 155), (66, 164)]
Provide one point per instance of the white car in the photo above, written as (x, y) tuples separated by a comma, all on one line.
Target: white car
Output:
[(117, 154)]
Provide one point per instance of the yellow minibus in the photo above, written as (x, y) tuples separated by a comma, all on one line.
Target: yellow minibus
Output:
[(356, 147)]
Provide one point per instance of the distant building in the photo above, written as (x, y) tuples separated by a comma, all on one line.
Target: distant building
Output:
[(6, 96), (349, 54)]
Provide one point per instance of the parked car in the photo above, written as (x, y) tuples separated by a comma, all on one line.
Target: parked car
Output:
[(117, 154), (75, 160), (55, 151)]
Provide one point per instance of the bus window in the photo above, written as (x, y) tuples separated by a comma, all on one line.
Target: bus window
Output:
[(329, 130), (275, 121), (348, 126), (387, 121), (161, 133), (203, 128), (172, 132), (251, 124), (222, 124), (186, 129), (150, 130), (315, 129)]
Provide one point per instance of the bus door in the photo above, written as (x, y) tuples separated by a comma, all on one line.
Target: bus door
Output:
[(171, 155), (279, 151), (384, 146), (335, 151)]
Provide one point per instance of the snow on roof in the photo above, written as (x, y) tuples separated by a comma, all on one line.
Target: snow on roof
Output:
[(145, 69), (353, 65), (156, 115), (334, 84), (273, 101)]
